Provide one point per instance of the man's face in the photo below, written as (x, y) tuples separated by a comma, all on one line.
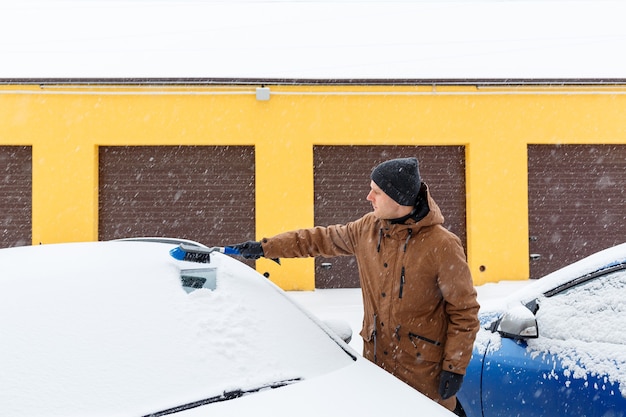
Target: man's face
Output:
[(384, 206)]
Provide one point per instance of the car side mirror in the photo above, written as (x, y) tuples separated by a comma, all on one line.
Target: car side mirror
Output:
[(341, 328), (518, 322)]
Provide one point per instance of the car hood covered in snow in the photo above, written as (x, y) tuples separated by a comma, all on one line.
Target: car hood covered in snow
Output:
[(360, 389)]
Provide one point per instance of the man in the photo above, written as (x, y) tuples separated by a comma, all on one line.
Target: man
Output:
[(420, 309)]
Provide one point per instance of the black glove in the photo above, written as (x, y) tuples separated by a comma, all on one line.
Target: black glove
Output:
[(249, 249), (449, 384)]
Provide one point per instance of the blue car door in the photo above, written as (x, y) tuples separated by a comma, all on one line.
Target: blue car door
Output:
[(520, 383), (577, 365)]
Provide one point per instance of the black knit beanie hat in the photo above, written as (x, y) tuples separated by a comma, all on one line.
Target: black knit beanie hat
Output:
[(399, 179)]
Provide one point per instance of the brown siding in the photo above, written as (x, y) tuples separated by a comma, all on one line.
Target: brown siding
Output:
[(15, 196), (342, 178), (577, 202), (202, 193)]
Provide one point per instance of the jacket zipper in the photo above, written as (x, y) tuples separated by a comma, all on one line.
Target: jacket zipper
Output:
[(425, 339), (396, 332), (374, 337), (380, 239), (402, 279), (402, 275)]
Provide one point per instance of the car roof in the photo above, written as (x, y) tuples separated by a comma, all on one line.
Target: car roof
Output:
[(603, 260)]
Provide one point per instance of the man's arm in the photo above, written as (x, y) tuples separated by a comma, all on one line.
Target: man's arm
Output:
[(317, 241)]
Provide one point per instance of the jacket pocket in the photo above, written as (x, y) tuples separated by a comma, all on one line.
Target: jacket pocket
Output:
[(423, 348)]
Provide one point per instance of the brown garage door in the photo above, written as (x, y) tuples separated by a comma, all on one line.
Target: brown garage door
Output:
[(342, 181), (15, 196), (576, 202), (203, 193)]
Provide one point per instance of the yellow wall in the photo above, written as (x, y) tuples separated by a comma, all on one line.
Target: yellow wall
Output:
[(66, 124)]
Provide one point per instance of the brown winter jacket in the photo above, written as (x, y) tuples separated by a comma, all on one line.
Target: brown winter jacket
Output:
[(418, 297)]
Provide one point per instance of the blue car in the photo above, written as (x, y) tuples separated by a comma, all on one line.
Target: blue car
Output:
[(556, 348)]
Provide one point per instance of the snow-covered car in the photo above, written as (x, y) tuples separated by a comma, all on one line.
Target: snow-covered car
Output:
[(122, 328), (556, 348)]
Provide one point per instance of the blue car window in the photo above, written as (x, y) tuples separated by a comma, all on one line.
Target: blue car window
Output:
[(593, 312), (583, 327)]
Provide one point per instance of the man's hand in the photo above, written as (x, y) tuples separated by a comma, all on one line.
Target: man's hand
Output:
[(449, 384), (249, 249)]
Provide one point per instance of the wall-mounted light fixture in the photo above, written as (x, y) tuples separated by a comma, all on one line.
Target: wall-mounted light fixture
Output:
[(263, 93)]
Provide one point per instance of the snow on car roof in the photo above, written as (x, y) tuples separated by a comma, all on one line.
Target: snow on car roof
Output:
[(595, 262), (530, 290)]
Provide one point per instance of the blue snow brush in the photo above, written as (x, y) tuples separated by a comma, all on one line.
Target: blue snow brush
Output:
[(191, 253)]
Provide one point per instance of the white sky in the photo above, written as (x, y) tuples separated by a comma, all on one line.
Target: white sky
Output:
[(313, 39)]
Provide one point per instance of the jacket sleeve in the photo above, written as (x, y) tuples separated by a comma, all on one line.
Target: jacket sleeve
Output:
[(461, 305), (317, 241)]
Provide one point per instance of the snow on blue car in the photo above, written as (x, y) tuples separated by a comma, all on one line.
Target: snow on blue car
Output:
[(556, 348)]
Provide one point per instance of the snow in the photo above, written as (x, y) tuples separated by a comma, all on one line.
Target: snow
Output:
[(342, 39), (115, 328)]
